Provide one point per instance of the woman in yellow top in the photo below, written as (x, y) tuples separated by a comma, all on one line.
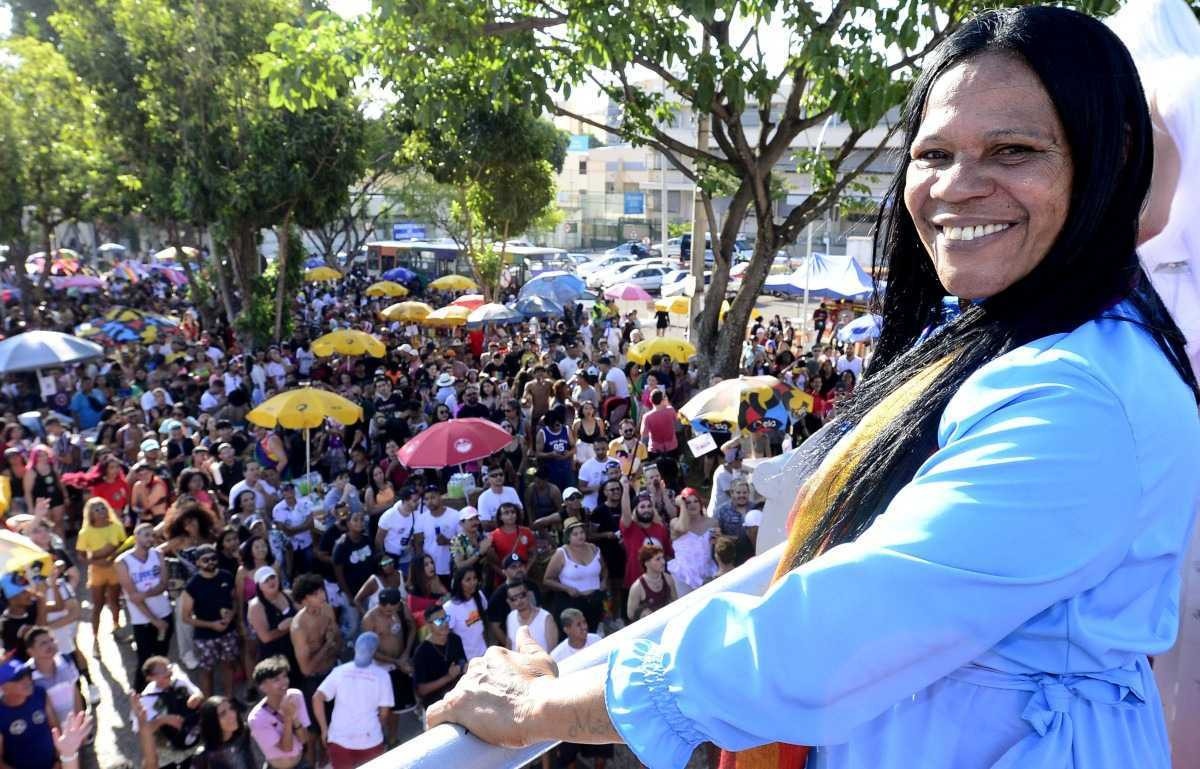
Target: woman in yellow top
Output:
[(98, 544)]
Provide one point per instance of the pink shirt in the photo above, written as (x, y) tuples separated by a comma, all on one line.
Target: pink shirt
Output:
[(659, 426), (266, 727)]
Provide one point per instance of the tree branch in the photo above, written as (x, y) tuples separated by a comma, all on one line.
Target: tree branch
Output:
[(524, 24)]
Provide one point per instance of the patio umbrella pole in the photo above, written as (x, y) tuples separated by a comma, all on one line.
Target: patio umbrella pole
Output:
[(307, 453)]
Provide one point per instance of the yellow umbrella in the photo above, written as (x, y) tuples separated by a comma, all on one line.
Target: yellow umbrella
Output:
[(304, 409), (678, 349), (406, 311), (448, 317), (348, 342), (454, 283), (321, 274), (18, 553), (386, 288), (679, 305)]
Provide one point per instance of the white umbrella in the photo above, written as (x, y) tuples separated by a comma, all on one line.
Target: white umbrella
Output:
[(35, 350), (170, 253), (106, 247), (860, 329)]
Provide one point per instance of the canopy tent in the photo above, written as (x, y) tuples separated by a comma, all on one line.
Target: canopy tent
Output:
[(834, 276)]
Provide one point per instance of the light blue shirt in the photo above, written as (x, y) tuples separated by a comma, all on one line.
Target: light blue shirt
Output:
[(998, 614)]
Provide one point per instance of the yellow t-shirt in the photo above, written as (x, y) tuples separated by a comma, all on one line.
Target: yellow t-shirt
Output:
[(93, 539)]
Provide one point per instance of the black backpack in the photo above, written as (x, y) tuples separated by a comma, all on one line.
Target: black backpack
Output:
[(174, 703)]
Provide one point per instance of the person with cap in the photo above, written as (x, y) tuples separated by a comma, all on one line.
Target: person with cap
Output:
[(471, 544), (514, 569), (362, 692), (576, 575), (270, 615), (208, 604), (391, 620), (445, 389), (26, 720), (23, 610), (279, 722), (179, 445), (439, 660)]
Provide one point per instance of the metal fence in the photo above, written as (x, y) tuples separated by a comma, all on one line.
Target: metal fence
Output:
[(450, 747)]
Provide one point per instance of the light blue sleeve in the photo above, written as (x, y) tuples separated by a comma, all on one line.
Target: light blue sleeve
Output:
[(1031, 499)]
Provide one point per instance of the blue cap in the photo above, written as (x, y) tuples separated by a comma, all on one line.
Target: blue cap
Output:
[(12, 669), (12, 585), (364, 649)]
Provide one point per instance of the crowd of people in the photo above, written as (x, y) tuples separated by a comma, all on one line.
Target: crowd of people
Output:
[(292, 611)]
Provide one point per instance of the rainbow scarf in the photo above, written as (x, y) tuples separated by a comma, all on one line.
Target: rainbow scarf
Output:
[(813, 499)]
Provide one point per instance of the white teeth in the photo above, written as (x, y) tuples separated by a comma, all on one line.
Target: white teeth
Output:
[(970, 233)]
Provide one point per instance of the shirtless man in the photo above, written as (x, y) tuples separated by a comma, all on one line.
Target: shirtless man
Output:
[(537, 395), (315, 634), (392, 622)]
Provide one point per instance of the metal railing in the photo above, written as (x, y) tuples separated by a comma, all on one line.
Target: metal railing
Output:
[(451, 747)]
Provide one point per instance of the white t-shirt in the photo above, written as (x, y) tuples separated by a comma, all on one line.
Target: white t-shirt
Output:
[(620, 383), (567, 367), (400, 529), (466, 621), (564, 648), (845, 364), (260, 493), (145, 575), (294, 516), (591, 472), (489, 502), (537, 627), (208, 401), (355, 723), (431, 525)]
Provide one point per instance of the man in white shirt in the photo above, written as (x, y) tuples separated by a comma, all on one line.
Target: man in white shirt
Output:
[(570, 362), (850, 362), (614, 382), (264, 493), (293, 516), (212, 398), (591, 475), (438, 524), (363, 694), (398, 528), (495, 495)]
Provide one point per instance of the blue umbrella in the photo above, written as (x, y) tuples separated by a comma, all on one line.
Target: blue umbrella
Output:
[(399, 275), (559, 287), (539, 307)]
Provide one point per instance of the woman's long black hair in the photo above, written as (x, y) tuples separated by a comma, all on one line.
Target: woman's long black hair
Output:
[(1093, 84)]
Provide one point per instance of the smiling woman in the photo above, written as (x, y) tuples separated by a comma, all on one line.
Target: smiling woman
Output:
[(989, 545)]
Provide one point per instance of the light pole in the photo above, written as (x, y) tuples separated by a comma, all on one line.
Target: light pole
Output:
[(808, 252)]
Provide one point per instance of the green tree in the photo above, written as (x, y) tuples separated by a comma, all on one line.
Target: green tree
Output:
[(56, 168), (847, 59), (490, 178)]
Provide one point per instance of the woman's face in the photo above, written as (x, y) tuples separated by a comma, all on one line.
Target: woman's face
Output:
[(378, 475), (657, 564), (989, 182), (191, 525), (228, 717), (442, 413), (430, 568), (469, 583), (229, 542), (98, 515), (578, 536), (508, 515), (259, 550), (195, 483)]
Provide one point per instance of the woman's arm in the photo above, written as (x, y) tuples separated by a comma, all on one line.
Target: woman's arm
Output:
[(633, 604), (553, 571)]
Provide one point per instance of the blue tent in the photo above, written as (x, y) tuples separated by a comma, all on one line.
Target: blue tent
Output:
[(837, 277)]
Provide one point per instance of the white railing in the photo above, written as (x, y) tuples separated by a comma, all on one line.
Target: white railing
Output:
[(450, 747)]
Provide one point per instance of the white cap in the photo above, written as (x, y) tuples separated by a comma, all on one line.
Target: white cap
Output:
[(263, 574)]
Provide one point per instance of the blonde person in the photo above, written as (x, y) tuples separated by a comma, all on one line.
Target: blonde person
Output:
[(99, 539)]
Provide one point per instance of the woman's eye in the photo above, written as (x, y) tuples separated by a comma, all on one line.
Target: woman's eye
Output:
[(930, 155), (1013, 151)]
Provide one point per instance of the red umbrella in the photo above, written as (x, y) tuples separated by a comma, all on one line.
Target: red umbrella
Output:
[(454, 442)]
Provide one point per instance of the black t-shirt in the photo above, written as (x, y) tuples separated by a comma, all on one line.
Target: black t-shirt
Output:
[(328, 541), (498, 608), (476, 409), (10, 629), (209, 596), (431, 662), (357, 559), (607, 519), (231, 475)]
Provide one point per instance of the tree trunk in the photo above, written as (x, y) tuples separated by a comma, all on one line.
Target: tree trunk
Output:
[(18, 251), (283, 235), (223, 283)]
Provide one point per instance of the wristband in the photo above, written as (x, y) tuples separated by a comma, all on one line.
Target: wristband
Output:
[(72, 757)]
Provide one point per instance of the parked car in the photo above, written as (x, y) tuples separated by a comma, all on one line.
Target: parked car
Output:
[(632, 248), (615, 273), (681, 249), (647, 277), (600, 263)]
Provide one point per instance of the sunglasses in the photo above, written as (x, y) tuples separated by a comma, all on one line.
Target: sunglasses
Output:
[(517, 596), (440, 621)]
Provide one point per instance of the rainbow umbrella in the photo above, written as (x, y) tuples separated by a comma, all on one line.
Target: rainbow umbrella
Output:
[(751, 404)]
